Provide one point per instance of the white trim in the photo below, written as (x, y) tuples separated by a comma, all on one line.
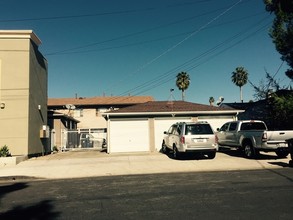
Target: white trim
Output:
[(174, 113)]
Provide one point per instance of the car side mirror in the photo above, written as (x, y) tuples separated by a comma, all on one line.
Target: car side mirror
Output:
[(218, 129), (165, 132)]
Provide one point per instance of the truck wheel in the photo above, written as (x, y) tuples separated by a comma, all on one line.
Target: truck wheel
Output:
[(249, 151), (176, 153), (282, 153)]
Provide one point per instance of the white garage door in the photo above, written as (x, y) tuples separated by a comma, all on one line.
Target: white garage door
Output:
[(216, 122), (162, 125), (128, 136)]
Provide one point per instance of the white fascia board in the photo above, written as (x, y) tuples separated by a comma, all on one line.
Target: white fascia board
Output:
[(173, 113), (20, 34)]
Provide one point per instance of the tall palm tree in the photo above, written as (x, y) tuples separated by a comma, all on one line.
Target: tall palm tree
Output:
[(182, 82), (239, 78)]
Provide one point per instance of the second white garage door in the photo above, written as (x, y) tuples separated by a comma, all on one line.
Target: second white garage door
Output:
[(128, 136)]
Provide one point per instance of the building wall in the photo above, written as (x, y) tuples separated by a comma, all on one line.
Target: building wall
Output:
[(21, 83), (89, 118), (37, 102)]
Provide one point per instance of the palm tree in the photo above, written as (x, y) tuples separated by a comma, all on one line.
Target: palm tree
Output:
[(182, 82), (211, 101), (239, 78)]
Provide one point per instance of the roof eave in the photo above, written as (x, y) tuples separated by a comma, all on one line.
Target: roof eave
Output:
[(172, 113)]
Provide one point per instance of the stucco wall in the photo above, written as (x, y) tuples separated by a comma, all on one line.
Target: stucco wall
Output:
[(21, 83)]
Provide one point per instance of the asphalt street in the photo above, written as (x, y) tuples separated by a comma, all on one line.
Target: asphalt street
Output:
[(255, 194)]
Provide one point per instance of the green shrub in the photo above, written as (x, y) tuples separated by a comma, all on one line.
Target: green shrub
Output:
[(4, 151)]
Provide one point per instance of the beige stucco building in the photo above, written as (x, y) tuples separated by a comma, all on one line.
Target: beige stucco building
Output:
[(23, 94)]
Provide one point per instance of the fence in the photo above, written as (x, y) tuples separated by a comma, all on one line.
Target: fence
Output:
[(83, 138)]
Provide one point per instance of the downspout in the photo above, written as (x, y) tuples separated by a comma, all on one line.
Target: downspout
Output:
[(108, 134), (236, 117)]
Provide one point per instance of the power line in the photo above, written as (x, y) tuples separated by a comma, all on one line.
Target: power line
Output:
[(185, 39), (166, 77), (132, 34), (76, 16)]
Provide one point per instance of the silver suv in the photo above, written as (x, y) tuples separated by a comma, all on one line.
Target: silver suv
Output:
[(190, 137)]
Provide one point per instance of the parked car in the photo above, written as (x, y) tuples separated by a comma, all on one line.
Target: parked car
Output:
[(252, 136), (190, 137)]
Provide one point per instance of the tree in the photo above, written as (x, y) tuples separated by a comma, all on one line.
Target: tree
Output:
[(211, 101), (281, 114), (265, 88), (282, 30), (182, 82), (239, 78), (279, 103)]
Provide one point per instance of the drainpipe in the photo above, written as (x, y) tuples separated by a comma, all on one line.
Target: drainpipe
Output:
[(108, 134)]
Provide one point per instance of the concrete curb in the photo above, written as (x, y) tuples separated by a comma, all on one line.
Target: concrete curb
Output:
[(11, 161)]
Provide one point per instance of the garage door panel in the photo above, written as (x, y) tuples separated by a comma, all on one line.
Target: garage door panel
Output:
[(129, 136)]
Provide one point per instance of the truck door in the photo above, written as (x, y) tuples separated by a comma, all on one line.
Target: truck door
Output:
[(231, 134), (222, 133)]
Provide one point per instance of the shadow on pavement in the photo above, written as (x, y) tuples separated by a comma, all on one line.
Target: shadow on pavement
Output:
[(281, 164), (191, 156), (238, 153), (42, 210)]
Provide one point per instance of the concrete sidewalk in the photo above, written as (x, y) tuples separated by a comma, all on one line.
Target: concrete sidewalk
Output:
[(94, 163)]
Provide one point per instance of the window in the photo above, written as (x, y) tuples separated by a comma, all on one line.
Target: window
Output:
[(233, 126), (99, 111), (78, 113), (253, 126), (198, 129), (224, 127)]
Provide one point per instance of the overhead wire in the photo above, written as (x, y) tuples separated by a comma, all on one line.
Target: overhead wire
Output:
[(67, 51), (158, 81), (182, 41)]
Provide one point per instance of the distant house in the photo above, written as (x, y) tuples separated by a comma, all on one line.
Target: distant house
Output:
[(139, 128), (23, 94), (88, 112), (57, 122), (259, 110)]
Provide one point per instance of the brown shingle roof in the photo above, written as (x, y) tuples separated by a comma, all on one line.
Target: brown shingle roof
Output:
[(111, 100), (168, 106)]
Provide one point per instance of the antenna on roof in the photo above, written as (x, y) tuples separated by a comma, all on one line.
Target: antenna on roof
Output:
[(171, 97), (221, 99), (70, 107)]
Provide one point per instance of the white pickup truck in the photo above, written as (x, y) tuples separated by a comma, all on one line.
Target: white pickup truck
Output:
[(252, 136)]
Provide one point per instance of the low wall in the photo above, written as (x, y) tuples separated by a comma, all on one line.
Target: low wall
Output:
[(11, 161)]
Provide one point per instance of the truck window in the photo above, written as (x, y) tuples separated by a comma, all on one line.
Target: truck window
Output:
[(224, 127), (253, 126), (233, 126)]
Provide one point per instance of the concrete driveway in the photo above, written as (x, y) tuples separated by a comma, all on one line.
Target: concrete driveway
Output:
[(78, 164)]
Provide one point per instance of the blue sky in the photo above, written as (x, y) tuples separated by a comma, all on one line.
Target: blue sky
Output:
[(137, 47)]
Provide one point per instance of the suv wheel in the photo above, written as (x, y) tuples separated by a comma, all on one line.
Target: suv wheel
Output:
[(176, 153), (211, 155), (164, 148)]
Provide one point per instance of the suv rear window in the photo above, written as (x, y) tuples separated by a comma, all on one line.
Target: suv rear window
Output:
[(253, 126), (198, 129)]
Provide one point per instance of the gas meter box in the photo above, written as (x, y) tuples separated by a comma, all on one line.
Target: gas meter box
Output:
[(45, 131)]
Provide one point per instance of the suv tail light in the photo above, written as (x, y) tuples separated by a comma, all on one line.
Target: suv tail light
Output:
[(182, 140), (216, 139), (264, 137)]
